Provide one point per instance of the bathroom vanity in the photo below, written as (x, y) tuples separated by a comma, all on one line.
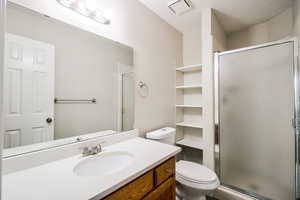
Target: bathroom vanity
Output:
[(158, 183), (129, 167)]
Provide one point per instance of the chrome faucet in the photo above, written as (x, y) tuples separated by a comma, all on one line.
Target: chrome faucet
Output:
[(92, 151)]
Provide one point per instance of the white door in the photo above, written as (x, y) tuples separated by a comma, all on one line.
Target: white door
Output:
[(28, 91)]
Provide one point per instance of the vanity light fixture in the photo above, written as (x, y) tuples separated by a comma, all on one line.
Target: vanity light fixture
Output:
[(86, 8)]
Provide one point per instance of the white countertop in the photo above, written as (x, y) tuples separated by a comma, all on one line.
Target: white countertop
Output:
[(57, 181)]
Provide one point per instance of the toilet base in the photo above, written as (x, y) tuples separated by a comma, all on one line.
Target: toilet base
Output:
[(187, 193)]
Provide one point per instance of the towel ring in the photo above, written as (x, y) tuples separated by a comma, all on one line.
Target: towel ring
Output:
[(143, 89)]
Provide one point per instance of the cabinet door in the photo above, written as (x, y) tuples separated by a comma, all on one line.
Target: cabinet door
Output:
[(164, 171), (135, 190), (166, 191)]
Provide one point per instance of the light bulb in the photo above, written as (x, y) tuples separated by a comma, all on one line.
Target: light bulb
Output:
[(87, 8)]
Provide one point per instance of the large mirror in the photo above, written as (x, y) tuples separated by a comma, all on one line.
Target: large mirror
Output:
[(61, 82)]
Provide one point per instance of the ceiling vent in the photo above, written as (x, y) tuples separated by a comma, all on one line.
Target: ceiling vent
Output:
[(179, 7)]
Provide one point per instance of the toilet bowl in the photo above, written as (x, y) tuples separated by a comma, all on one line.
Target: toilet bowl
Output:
[(194, 181)]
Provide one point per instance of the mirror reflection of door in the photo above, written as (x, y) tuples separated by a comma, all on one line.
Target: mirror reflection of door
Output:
[(28, 91)]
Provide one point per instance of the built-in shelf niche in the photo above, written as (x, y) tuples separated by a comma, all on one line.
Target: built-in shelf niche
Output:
[(189, 87), (190, 137), (190, 68), (189, 97), (190, 124), (189, 76), (189, 115), (189, 106)]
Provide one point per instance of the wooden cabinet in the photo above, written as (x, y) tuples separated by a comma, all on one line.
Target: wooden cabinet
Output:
[(164, 171), (157, 184), (165, 191), (134, 190)]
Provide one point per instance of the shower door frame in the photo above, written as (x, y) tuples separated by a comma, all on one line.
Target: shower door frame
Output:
[(295, 120)]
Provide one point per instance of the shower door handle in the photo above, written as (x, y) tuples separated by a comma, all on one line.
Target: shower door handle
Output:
[(293, 123), (296, 124)]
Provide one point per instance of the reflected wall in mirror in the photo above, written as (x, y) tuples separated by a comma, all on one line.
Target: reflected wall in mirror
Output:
[(61, 81)]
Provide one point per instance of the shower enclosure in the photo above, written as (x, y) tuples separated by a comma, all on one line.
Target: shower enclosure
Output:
[(257, 115)]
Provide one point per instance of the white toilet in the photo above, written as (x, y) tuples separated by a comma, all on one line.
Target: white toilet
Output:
[(194, 181)]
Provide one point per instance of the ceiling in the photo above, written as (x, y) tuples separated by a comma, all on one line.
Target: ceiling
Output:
[(234, 15)]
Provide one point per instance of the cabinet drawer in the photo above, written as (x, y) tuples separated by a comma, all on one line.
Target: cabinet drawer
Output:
[(164, 171), (135, 190)]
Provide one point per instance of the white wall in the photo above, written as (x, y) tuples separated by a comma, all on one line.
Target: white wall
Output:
[(157, 47), (208, 87), (296, 18), (278, 27), (219, 35), (192, 46)]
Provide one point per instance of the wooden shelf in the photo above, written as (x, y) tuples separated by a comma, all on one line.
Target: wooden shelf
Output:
[(189, 124), (190, 68), (189, 106), (188, 86), (190, 142)]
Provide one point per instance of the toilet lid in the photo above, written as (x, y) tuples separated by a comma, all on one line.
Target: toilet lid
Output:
[(195, 172)]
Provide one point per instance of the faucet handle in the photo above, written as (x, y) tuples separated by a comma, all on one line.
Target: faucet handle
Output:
[(86, 151), (91, 151), (99, 147), (96, 149)]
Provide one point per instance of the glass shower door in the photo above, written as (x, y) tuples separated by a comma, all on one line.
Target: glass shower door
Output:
[(256, 108)]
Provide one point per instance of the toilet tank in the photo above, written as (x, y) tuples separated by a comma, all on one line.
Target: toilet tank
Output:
[(165, 135)]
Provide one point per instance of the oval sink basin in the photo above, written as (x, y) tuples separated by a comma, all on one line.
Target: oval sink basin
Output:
[(103, 164)]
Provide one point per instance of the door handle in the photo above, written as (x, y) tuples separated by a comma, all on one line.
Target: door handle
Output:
[(49, 120)]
